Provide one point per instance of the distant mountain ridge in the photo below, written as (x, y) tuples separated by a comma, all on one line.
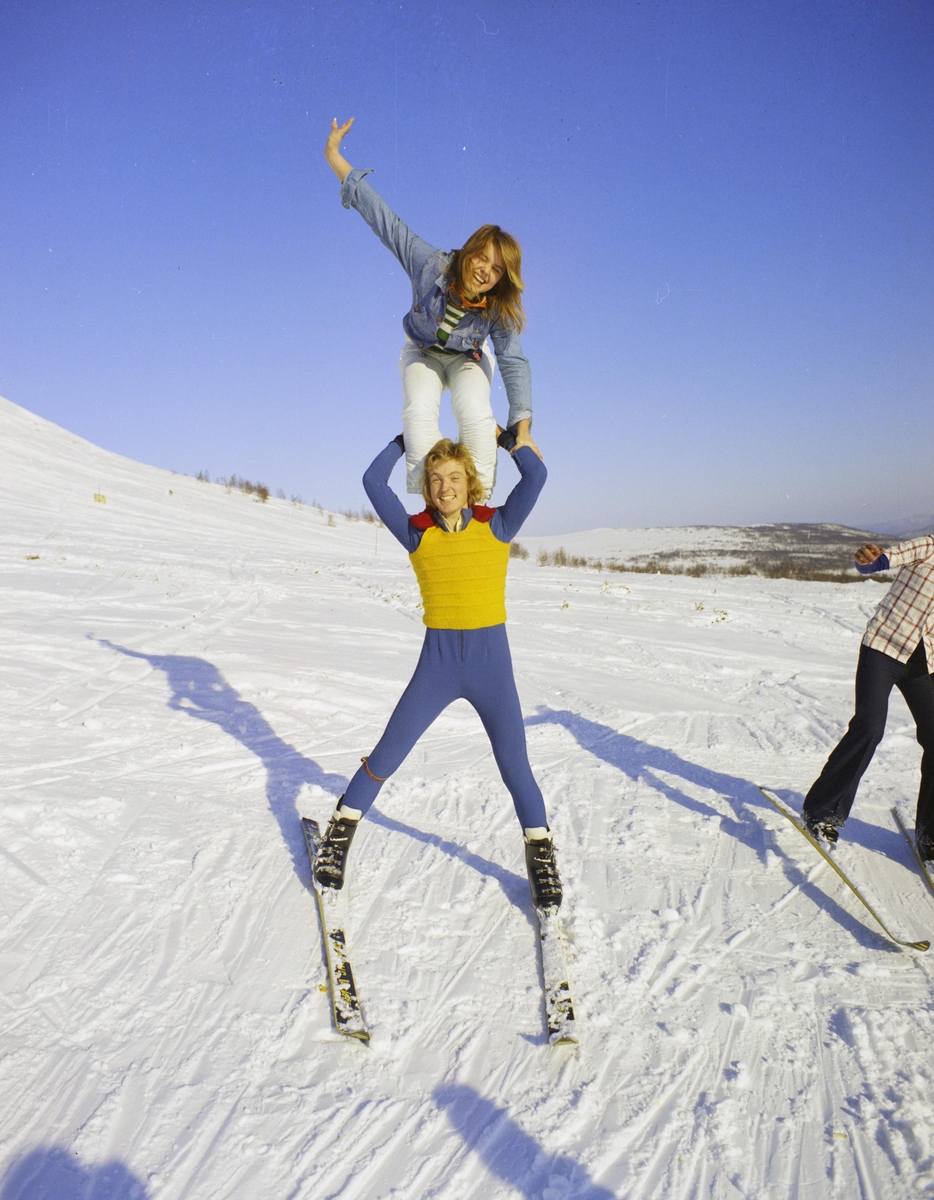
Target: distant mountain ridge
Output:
[(781, 550), (912, 526)]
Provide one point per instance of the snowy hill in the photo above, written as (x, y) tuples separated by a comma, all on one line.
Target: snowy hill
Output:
[(185, 670)]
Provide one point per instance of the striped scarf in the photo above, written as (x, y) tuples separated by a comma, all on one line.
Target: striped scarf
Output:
[(452, 314)]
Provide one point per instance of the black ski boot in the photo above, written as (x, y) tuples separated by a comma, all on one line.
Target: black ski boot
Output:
[(544, 879), (331, 856), (826, 830), (925, 844)]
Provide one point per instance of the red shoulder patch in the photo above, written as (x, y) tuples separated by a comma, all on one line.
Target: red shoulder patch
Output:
[(422, 520), (482, 513)]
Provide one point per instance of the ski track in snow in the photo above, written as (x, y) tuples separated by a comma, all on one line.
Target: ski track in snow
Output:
[(186, 671)]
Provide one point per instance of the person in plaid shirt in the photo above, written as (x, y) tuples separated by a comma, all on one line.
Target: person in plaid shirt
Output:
[(897, 650)]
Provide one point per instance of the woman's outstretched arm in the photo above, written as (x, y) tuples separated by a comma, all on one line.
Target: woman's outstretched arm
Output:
[(517, 378), (332, 149), (356, 192)]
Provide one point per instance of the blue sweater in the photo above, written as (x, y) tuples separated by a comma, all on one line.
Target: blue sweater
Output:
[(878, 564)]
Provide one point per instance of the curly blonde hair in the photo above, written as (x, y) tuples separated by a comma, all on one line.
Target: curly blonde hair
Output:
[(446, 451), (504, 300)]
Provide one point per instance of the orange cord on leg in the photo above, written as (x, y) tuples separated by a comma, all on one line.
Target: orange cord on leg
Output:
[(366, 767)]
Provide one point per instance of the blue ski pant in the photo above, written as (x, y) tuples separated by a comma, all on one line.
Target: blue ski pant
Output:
[(459, 664), (832, 794)]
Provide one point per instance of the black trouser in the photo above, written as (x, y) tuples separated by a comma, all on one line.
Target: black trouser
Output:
[(832, 793)]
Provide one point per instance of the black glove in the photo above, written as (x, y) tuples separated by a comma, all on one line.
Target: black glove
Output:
[(400, 442), (507, 439)]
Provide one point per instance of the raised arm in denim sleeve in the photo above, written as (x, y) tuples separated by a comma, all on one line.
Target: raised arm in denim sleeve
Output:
[(911, 552), (516, 372), (510, 517), (387, 504), (412, 251)]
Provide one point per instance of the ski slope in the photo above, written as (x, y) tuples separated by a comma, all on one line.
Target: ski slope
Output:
[(186, 670)]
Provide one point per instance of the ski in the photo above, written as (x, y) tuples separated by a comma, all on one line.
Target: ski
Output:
[(914, 848), (559, 1008), (790, 817), (332, 909)]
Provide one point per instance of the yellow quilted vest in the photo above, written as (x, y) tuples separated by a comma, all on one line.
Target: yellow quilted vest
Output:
[(462, 577)]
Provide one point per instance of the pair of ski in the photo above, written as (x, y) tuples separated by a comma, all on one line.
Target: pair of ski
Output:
[(805, 832), (345, 1001)]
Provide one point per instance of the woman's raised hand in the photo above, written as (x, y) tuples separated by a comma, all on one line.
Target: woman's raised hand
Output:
[(524, 437), (332, 149)]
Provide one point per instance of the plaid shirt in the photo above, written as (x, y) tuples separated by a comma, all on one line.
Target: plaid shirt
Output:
[(906, 615)]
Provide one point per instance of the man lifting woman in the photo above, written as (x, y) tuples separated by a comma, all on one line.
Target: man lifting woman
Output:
[(460, 551)]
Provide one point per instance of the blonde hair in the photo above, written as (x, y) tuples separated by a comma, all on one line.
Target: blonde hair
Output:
[(504, 299), (448, 451)]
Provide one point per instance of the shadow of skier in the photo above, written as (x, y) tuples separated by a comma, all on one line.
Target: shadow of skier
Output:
[(54, 1173), (638, 759), (510, 1153), (201, 691)]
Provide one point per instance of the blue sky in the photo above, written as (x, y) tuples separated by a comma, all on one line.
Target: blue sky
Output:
[(725, 212)]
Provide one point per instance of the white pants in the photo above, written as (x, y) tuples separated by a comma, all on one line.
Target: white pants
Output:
[(424, 378)]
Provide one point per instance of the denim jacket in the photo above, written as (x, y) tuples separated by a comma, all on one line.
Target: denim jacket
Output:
[(427, 268)]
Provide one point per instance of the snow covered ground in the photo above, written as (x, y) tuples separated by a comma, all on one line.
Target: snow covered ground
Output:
[(185, 670)]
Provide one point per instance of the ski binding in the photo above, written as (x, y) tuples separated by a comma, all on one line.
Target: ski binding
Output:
[(559, 1008), (332, 909)]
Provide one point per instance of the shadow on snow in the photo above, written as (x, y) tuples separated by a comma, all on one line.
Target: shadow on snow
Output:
[(54, 1173), (200, 690), (510, 1153), (638, 760), (515, 887)]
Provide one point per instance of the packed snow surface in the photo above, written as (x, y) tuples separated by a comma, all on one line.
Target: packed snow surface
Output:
[(186, 671)]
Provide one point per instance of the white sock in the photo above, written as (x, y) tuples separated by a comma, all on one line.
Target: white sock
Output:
[(537, 833), (347, 814)]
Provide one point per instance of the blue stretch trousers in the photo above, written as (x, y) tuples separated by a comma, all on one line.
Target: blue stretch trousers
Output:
[(832, 793), (459, 664)]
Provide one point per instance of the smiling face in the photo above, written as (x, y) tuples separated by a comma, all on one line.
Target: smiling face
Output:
[(447, 486), (484, 269)]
